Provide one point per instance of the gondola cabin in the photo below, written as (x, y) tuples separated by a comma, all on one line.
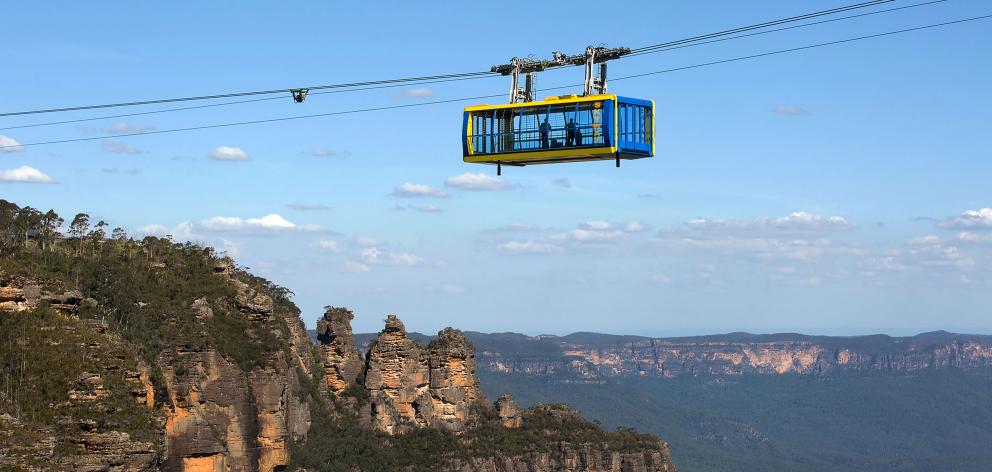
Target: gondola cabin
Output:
[(566, 128)]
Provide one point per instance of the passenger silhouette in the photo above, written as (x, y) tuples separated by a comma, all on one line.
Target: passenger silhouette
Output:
[(570, 132), (545, 130)]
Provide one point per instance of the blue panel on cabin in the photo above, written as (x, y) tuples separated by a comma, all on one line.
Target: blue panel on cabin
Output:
[(635, 130)]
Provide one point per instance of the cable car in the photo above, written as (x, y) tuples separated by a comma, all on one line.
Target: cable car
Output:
[(567, 128)]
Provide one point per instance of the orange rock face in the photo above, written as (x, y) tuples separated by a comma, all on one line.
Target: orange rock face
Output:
[(397, 380), (342, 363), (212, 463), (454, 387)]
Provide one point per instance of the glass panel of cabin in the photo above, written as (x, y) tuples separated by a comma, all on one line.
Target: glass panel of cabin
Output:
[(538, 127)]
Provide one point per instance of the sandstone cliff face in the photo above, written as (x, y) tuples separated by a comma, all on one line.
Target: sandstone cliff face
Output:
[(398, 381), (214, 415), (508, 412), (113, 389), (342, 362), (454, 388), (21, 294), (592, 361), (572, 459), (220, 417), (411, 386)]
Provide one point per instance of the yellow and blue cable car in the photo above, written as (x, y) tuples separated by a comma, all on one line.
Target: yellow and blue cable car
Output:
[(566, 128)]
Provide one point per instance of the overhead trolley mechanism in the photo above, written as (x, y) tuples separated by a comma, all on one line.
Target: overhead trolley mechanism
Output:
[(566, 128)]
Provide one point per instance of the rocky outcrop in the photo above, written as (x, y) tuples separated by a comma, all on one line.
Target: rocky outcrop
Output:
[(342, 362), (88, 430), (412, 386), (220, 417), (398, 381), (22, 294), (569, 458), (573, 457), (214, 414), (454, 387), (508, 412), (250, 301)]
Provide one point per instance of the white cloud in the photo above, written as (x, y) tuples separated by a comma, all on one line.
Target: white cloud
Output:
[(791, 111), (117, 147), (581, 235), (328, 245), (8, 144), (357, 267), (924, 240), (971, 219), (409, 190), (968, 236), (529, 247), (418, 92), (762, 248), (152, 230), (562, 183), (635, 227), (25, 174), (367, 241), (591, 232), (270, 222), (183, 231), (796, 222), (480, 181), (228, 153), (121, 127), (375, 256), (596, 225), (429, 208), (307, 206)]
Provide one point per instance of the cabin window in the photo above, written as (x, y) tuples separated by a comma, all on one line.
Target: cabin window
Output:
[(538, 127), (634, 127)]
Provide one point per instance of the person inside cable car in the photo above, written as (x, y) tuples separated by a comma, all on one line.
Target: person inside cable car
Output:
[(570, 132), (545, 129)]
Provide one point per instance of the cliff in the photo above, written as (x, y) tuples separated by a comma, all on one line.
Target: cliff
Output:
[(594, 358), (198, 408), (124, 355), (429, 398), (597, 356)]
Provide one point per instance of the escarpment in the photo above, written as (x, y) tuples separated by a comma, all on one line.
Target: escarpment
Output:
[(591, 357), (125, 355), (406, 390)]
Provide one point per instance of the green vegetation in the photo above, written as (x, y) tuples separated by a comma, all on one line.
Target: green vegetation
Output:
[(933, 420), (337, 442), (144, 289), (335, 427), (45, 356)]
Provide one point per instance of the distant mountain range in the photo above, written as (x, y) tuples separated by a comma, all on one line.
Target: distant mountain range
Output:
[(765, 402), (584, 357)]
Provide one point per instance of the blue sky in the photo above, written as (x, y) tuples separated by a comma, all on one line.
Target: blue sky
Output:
[(840, 190)]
